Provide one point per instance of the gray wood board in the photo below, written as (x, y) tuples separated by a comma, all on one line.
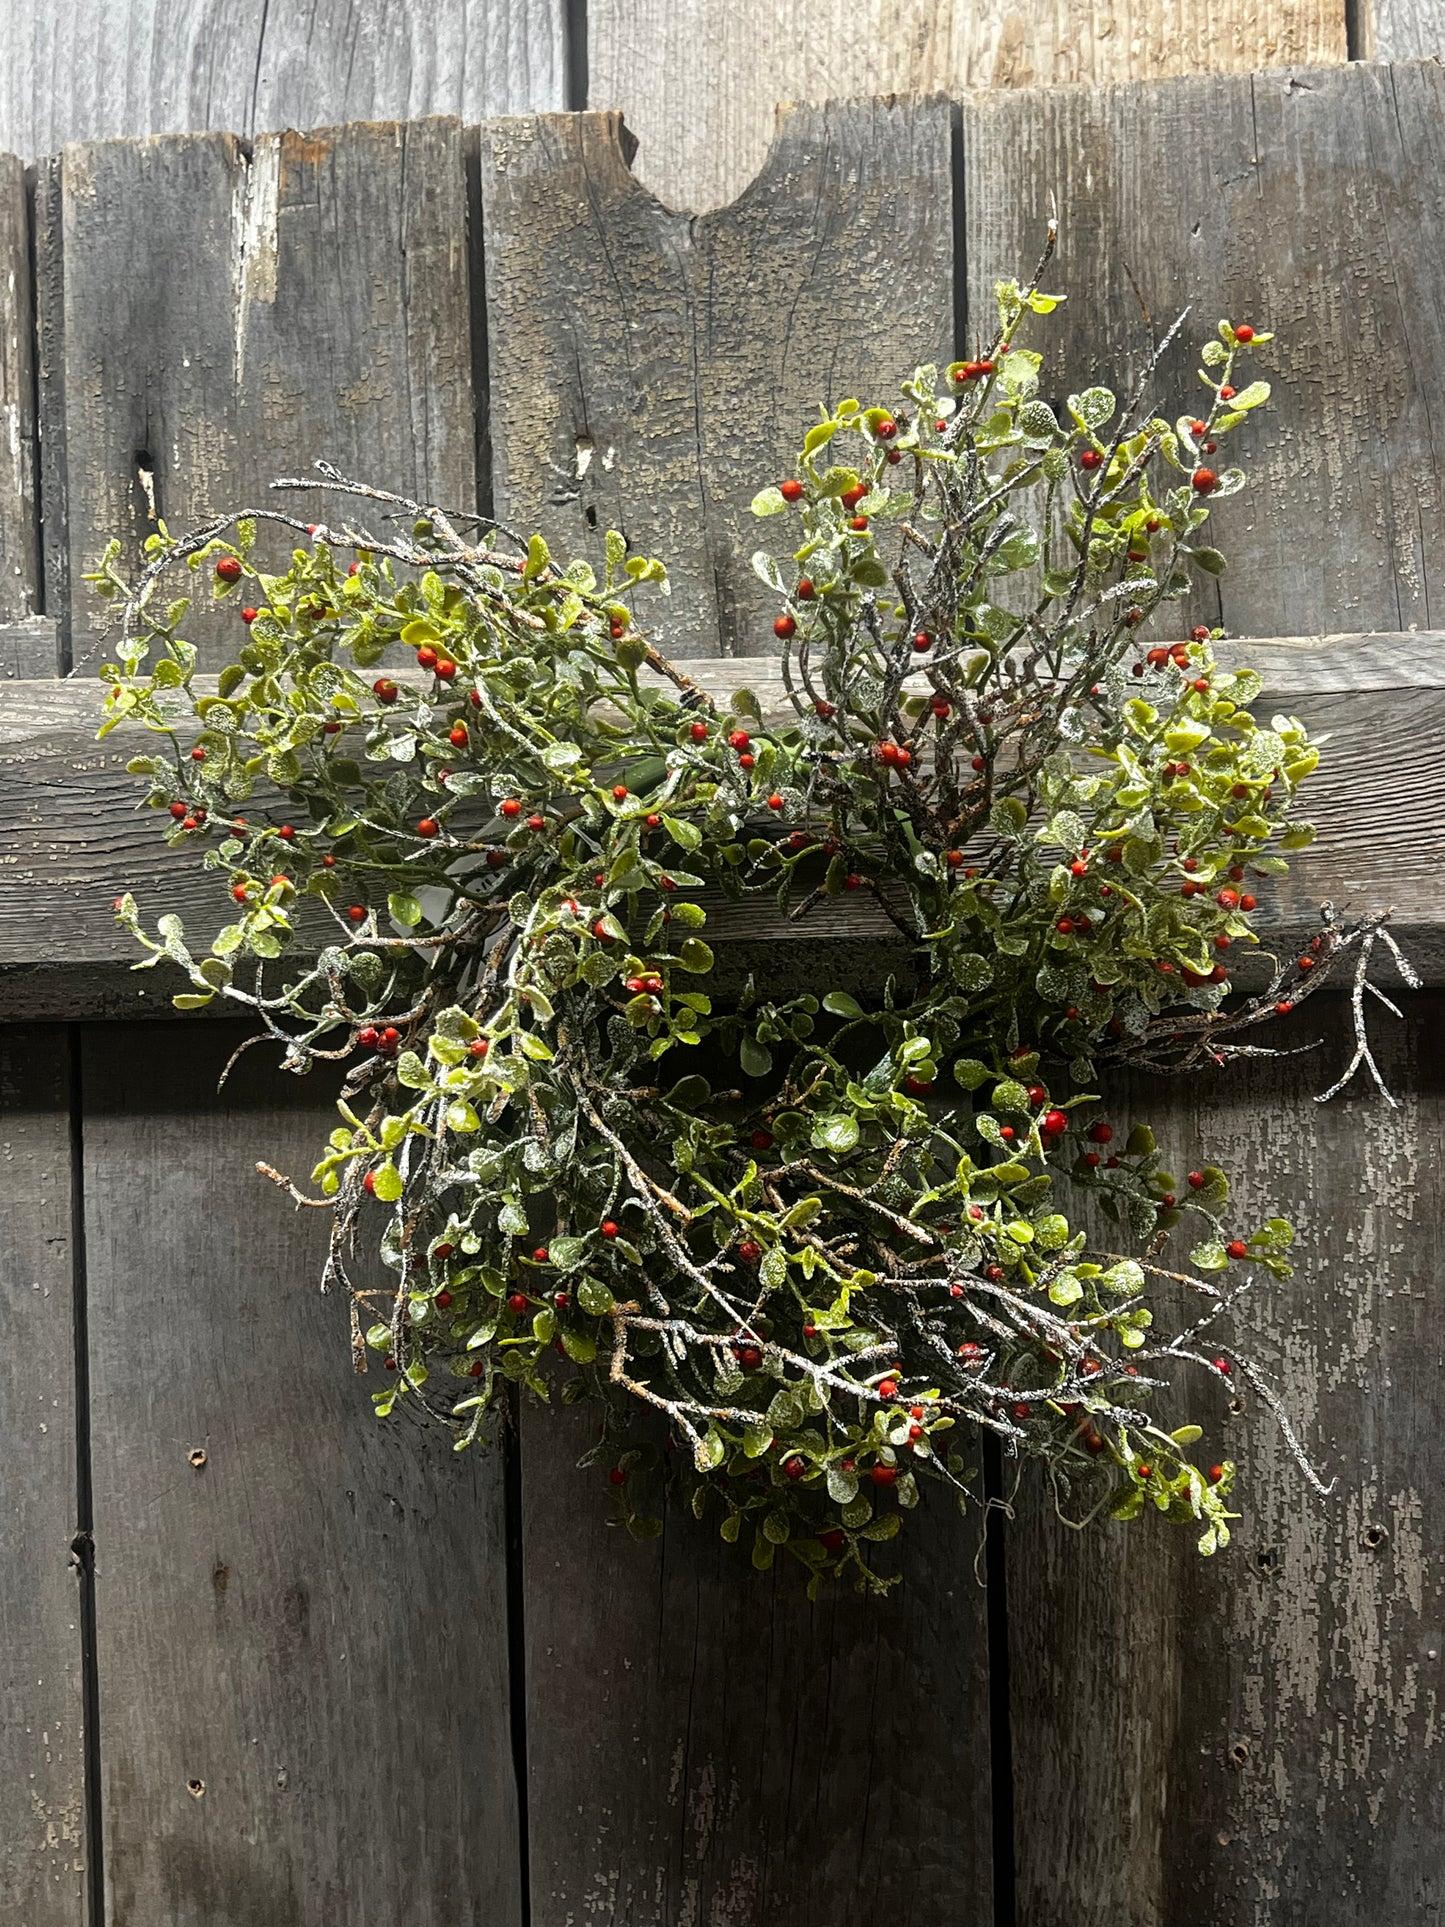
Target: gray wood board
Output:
[(1403, 30), (117, 68), (651, 371), (1307, 201), (73, 839), (303, 1659), (42, 1789), (705, 1746), (1255, 1740), (19, 546), (309, 301)]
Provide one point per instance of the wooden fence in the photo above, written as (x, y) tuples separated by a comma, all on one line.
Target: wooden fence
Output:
[(263, 1660)]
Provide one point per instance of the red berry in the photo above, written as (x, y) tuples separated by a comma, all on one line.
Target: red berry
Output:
[(368, 1183), (446, 668), (1092, 1159), (698, 732), (884, 1475), (775, 802), (852, 882), (922, 641), (851, 497), (1216, 1473), (478, 1047), (456, 735), (1102, 1133), (749, 1357), (517, 1301), (859, 523), (1065, 926), (617, 1475), (1244, 333), (795, 1467), (745, 761), (610, 1228), (791, 491), (240, 893), (886, 430), (761, 1140), (442, 1299), (1196, 1180), (228, 569), (918, 1086), (510, 806), (784, 627), (1247, 902), (1205, 481), (1283, 1007), (750, 1251), (428, 826), (1090, 458), (357, 913), (475, 1371), (1054, 1123), (426, 658), (887, 1388), (1237, 1248), (1223, 1366), (739, 739), (831, 1540), (805, 590), (385, 690)]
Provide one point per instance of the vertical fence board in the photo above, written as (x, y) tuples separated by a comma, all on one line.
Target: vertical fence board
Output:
[(1403, 30), (706, 1746), (1309, 203), (302, 1641), (698, 81), (1254, 1741), (19, 552), (42, 1795), (650, 372), (229, 320), (133, 67)]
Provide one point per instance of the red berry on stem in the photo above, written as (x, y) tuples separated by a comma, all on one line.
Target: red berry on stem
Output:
[(517, 1301), (385, 690), (784, 627), (1237, 1248), (791, 490), (1090, 458), (1244, 334), (610, 1228), (1205, 481), (428, 826), (228, 569), (884, 1475), (248, 616), (698, 732)]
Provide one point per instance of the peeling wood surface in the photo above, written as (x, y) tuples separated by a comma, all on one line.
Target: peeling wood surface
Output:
[(312, 300), (302, 1639), (650, 372), (1257, 1738), (71, 837), (698, 81), (114, 68), (1305, 202), (705, 1746), (42, 1793)]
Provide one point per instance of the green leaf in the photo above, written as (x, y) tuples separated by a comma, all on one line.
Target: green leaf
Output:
[(840, 1004), (768, 501), (404, 910), (755, 1058), (386, 1184)]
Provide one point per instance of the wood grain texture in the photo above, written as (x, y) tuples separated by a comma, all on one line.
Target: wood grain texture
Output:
[(707, 1747), (697, 82), (650, 372), (27, 649), (19, 541), (1307, 202), (309, 301), (42, 1798), (303, 1667), (1403, 30), (1255, 1741), (115, 68), (72, 838)]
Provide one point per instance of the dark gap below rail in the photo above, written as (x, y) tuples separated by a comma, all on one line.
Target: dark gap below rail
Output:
[(82, 1546), (517, 1642), (1000, 1712), (574, 55)]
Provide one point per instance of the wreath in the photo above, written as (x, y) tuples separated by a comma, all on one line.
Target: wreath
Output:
[(800, 1250)]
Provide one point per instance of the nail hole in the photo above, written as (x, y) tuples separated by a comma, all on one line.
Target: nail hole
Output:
[(1375, 1536), (196, 1456), (1237, 1405), (1267, 1559), (195, 1788), (1239, 1752), (589, 515)]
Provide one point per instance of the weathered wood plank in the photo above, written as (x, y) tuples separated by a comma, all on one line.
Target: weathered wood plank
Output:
[(19, 543), (1307, 202), (71, 837), (706, 1746), (303, 1666), (42, 1790), (697, 82), (1403, 30), (134, 67), (27, 649), (1256, 1739), (650, 372), (309, 301)]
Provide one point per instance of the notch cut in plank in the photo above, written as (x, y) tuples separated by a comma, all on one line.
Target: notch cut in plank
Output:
[(128, 68), (698, 82), (1254, 1737), (705, 1745), (1311, 203), (43, 1848), (73, 838), (310, 301), (651, 372), (301, 1610), (19, 507)]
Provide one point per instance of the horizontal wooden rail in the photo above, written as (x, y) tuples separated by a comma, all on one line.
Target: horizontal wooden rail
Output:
[(72, 836)]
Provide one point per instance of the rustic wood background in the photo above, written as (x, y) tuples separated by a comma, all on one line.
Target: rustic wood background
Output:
[(262, 1661)]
